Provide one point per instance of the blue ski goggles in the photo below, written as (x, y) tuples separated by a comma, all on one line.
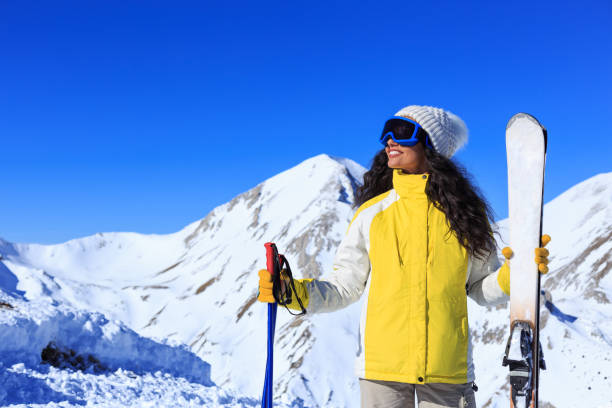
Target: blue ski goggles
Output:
[(405, 132)]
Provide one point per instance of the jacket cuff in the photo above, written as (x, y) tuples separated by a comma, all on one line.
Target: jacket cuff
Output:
[(302, 292)]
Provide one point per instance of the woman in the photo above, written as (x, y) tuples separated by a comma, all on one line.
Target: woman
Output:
[(418, 245)]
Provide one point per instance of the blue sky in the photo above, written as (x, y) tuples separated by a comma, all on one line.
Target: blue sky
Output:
[(144, 116)]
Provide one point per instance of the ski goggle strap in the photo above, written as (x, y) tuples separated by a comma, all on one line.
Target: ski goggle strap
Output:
[(404, 131)]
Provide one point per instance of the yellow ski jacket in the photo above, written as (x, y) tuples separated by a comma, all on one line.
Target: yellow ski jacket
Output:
[(400, 252)]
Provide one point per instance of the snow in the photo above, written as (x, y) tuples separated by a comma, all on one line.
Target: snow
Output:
[(51, 387), (138, 372), (173, 318)]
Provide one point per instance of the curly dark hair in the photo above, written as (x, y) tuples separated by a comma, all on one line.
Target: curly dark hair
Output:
[(450, 189)]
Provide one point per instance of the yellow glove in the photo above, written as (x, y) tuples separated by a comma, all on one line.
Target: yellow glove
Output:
[(265, 289), (541, 259)]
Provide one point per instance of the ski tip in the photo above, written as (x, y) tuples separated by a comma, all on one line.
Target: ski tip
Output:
[(523, 116)]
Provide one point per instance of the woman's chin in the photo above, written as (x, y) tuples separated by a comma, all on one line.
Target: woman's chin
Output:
[(394, 163)]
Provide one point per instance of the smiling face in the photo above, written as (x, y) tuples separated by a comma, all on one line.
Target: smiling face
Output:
[(411, 159)]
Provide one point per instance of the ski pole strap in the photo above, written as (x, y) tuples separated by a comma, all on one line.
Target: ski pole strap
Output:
[(277, 265), (284, 299)]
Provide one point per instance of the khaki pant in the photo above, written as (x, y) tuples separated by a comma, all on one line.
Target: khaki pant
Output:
[(389, 394)]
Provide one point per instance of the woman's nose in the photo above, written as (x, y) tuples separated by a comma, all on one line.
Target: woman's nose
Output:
[(391, 142)]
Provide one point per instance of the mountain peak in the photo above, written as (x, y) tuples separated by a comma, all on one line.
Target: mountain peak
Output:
[(325, 165)]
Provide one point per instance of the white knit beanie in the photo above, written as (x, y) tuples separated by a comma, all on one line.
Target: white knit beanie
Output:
[(446, 130)]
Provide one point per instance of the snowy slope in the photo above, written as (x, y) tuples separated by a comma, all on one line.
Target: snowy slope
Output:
[(197, 287), (51, 354)]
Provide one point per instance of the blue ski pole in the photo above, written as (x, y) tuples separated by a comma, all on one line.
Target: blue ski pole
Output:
[(273, 267)]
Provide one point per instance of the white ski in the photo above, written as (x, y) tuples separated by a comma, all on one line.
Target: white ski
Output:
[(526, 152)]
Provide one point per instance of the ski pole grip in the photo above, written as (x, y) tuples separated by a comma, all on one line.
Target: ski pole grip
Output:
[(271, 253)]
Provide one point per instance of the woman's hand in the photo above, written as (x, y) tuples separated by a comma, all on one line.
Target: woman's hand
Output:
[(265, 286), (541, 259)]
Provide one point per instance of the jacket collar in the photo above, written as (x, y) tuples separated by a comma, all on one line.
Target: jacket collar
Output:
[(409, 184)]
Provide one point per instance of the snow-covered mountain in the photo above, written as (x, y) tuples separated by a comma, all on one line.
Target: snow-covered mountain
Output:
[(198, 287)]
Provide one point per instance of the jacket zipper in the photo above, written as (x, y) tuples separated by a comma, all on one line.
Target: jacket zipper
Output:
[(426, 272)]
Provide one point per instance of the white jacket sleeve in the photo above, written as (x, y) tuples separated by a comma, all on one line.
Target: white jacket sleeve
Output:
[(482, 285), (350, 273)]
